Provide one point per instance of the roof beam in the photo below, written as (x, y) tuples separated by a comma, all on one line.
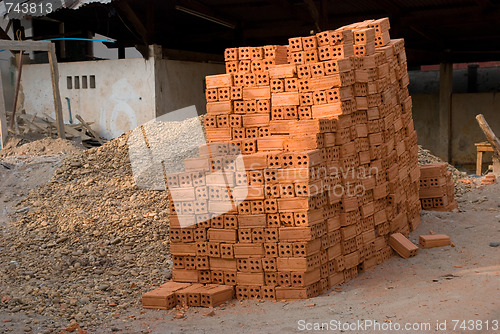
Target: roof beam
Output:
[(484, 4), (203, 11), (132, 17), (313, 10)]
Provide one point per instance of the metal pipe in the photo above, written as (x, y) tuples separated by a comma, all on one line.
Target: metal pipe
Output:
[(69, 110)]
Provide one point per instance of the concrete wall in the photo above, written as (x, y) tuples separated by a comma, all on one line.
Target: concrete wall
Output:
[(122, 99), (181, 84), (465, 130), (128, 93)]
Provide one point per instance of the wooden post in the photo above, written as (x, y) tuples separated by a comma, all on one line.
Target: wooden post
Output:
[(54, 73), (16, 92), (445, 94), (490, 135), (3, 118)]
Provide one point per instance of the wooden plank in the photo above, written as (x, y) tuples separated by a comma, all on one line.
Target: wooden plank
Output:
[(132, 17), (54, 73), (490, 135), (18, 84), (87, 126), (25, 45), (479, 162), (3, 119)]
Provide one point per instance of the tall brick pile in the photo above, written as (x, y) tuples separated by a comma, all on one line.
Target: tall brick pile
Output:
[(330, 165), (437, 189)]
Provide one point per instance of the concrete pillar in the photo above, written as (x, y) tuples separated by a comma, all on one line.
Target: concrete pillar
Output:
[(472, 78), (445, 94)]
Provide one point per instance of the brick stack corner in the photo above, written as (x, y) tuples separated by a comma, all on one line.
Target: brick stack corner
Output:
[(437, 189)]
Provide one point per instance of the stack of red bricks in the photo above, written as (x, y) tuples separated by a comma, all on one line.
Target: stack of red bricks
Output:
[(437, 190), (330, 166)]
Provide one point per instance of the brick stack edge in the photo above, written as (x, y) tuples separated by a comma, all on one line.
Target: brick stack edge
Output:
[(336, 101), (437, 189)]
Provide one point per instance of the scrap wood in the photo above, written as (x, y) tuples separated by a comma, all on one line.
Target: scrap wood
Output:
[(490, 135), (87, 126)]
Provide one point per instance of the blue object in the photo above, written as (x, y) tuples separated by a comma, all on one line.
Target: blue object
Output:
[(69, 110)]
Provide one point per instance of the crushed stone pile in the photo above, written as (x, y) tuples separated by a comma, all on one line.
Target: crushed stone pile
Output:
[(89, 243), (426, 157), (17, 146)]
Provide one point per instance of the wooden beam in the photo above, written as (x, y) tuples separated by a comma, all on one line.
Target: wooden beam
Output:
[(3, 34), (313, 10), (54, 73), (25, 45), (16, 89), (89, 129), (323, 14), (132, 17), (192, 56), (490, 135), (431, 36), (197, 8), (150, 21), (445, 96), (3, 119)]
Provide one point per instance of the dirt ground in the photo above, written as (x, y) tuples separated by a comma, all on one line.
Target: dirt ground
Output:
[(441, 284)]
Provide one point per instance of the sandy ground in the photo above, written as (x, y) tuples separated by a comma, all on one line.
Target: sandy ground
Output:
[(20, 174), (441, 284)]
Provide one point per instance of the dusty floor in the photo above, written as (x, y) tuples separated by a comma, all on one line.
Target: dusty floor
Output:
[(441, 284)]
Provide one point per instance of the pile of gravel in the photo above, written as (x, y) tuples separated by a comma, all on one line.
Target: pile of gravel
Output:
[(89, 244)]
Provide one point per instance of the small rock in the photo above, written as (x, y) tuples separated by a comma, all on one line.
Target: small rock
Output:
[(494, 244), (211, 313), (179, 315), (115, 241)]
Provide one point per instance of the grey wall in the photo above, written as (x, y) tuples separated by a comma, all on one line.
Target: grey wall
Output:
[(465, 130), (181, 84)]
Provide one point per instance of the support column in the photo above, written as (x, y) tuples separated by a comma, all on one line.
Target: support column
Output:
[(445, 95)]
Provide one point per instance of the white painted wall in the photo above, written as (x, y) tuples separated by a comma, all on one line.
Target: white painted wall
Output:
[(128, 93), (122, 100)]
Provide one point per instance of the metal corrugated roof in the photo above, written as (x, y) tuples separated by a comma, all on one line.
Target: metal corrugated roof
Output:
[(55, 5)]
